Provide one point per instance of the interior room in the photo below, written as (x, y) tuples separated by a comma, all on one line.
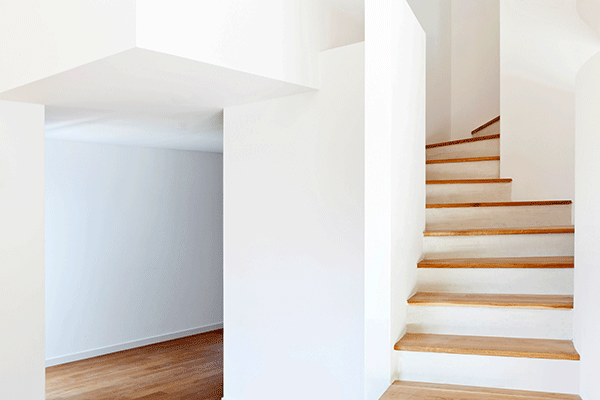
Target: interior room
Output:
[(300, 199)]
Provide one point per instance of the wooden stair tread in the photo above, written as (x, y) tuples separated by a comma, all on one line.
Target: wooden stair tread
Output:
[(534, 230), (503, 262), (460, 141), (502, 204), (461, 160), (488, 346), (492, 300), (482, 127), (467, 181), (428, 391)]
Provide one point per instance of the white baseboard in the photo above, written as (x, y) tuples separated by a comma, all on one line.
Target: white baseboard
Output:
[(129, 345)]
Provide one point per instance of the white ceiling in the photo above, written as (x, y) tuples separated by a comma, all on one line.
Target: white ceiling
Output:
[(146, 98)]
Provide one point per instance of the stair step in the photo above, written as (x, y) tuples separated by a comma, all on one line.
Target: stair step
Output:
[(506, 315), (429, 391), (467, 181), (492, 300), (461, 319), (463, 168), (536, 374), (535, 230), (462, 160), (557, 281), (488, 346), (504, 243), (497, 215), (462, 141), (501, 204), (505, 262), (481, 147), (468, 191), (487, 126)]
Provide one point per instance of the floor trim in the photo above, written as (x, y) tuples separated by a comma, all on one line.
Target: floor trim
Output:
[(50, 362)]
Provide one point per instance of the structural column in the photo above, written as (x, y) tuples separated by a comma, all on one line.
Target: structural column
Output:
[(22, 251)]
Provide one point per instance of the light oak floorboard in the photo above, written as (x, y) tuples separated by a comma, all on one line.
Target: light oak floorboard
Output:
[(488, 346), (529, 301), (502, 204), (467, 181), (431, 391), (190, 368), (463, 160), (504, 231), (460, 141), (507, 262), (487, 124)]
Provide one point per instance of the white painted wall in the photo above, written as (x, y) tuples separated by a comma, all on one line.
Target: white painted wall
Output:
[(40, 38), (589, 12), (435, 17), (587, 221), (342, 23), (294, 240), (475, 64), (463, 65), (395, 61), (133, 249), (272, 38), (543, 45), (21, 251), (407, 172)]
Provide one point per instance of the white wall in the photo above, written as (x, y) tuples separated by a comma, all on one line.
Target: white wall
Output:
[(589, 12), (463, 65), (395, 61), (294, 240), (342, 23), (543, 45), (587, 220), (133, 248), (21, 251), (40, 38), (475, 64), (435, 17), (271, 38), (407, 173)]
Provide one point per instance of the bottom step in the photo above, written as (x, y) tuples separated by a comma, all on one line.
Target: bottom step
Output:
[(426, 391)]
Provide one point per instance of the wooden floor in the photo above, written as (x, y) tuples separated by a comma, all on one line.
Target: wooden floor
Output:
[(184, 369)]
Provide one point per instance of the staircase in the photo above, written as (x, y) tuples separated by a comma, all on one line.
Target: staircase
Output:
[(493, 313)]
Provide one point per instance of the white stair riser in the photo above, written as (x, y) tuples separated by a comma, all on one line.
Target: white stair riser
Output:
[(493, 129), (497, 217), (496, 280), (487, 321), (464, 170), (480, 148), (498, 246), (468, 193), (555, 376)]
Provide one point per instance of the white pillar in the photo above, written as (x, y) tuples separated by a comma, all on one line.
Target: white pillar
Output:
[(587, 226), (21, 251)]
